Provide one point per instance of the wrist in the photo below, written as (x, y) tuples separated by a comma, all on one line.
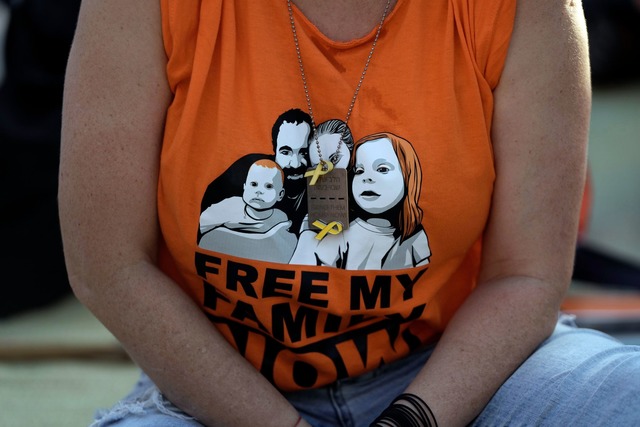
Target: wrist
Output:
[(407, 410)]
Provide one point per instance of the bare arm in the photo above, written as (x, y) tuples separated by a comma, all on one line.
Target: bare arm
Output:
[(115, 101), (540, 135)]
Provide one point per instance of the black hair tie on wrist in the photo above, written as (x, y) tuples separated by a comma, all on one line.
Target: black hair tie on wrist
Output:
[(406, 410)]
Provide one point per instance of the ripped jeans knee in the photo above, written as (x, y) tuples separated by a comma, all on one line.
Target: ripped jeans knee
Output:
[(144, 406)]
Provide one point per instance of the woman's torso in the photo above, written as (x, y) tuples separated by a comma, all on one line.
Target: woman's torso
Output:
[(233, 69)]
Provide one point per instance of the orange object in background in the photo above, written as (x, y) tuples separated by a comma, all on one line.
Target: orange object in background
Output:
[(609, 301), (599, 305), (585, 209)]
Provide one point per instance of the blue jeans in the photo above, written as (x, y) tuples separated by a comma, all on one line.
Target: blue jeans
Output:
[(577, 377)]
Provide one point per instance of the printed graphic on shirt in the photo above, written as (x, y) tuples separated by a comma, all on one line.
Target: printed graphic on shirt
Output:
[(285, 317), (308, 328), (257, 208)]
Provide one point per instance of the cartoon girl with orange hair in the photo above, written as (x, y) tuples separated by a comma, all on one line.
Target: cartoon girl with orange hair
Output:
[(386, 232)]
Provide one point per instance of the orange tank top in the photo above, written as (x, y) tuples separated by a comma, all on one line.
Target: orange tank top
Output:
[(419, 167)]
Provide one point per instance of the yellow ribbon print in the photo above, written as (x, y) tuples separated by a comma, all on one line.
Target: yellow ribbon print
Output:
[(323, 168), (334, 227)]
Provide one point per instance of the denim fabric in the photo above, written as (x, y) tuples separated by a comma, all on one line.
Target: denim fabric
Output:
[(577, 377), (144, 406), (358, 401)]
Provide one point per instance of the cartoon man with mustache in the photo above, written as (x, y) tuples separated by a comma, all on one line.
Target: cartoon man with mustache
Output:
[(290, 138)]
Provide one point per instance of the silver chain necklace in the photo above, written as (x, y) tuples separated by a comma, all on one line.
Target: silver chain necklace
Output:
[(324, 164), (328, 205)]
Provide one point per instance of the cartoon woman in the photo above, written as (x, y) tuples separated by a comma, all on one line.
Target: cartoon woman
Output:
[(336, 143), (386, 232)]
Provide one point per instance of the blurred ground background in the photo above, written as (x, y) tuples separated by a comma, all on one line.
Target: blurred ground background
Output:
[(58, 363)]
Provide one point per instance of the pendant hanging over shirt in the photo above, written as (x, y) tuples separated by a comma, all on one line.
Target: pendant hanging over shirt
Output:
[(328, 199), (327, 187)]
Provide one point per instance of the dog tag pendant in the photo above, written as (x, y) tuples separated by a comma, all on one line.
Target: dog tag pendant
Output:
[(328, 199)]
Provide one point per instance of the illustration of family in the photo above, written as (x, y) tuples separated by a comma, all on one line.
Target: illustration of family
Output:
[(257, 208)]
